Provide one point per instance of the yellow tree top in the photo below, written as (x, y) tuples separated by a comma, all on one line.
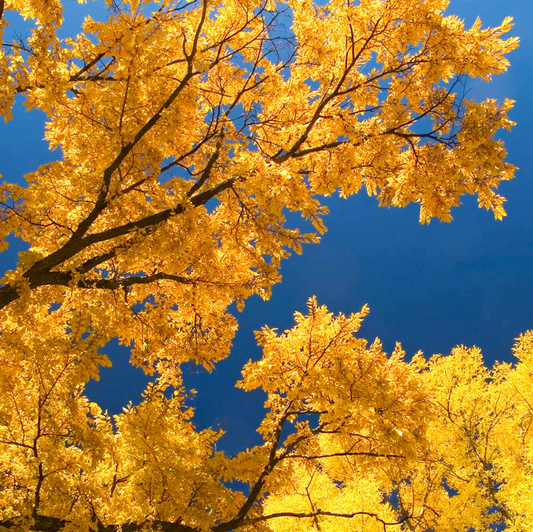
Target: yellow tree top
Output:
[(187, 132)]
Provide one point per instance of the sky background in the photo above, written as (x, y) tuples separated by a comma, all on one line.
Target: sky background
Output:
[(430, 287)]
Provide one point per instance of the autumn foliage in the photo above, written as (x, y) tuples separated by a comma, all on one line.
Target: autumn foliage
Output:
[(187, 131)]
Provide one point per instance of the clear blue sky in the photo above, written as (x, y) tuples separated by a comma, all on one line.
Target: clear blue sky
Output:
[(431, 287)]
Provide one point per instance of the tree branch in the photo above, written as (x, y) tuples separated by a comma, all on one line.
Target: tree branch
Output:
[(299, 515), (44, 523), (40, 273), (348, 453)]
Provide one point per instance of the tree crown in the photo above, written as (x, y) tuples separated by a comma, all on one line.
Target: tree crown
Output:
[(186, 134)]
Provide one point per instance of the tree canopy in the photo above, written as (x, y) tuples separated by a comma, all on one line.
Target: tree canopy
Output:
[(187, 131)]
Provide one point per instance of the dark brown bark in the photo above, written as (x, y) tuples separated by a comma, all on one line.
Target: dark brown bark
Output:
[(41, 274), (53, 524)]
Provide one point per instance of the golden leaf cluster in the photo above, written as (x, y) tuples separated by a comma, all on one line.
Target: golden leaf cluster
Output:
[(186, 132)]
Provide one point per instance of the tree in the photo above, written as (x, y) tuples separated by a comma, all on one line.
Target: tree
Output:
[(186, 135)]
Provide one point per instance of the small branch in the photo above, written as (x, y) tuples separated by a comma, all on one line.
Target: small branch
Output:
[(87, 67), (299, 515), (114, 284), (206, 172), (332, 455)]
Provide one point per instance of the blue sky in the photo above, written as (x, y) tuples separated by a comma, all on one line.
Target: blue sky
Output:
[(431, 287)]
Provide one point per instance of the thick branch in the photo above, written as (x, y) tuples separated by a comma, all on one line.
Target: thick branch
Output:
[(66, 279), (40, 273), (260, 482), (101, 201), (53, 524), (155, 219), (71, 247)]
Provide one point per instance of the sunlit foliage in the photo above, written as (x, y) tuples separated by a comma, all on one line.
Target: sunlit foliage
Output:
[(186, 131)]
